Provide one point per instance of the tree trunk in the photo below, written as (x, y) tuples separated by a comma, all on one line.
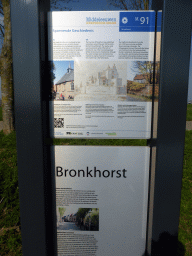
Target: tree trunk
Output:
[(6, 72)]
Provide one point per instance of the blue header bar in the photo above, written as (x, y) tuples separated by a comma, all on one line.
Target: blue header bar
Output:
[(137, 21), (159, 17)]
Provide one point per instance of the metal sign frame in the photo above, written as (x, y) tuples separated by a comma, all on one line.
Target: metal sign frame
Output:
[(31, 79)]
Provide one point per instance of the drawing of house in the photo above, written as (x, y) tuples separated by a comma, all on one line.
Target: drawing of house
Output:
[(106, 85)]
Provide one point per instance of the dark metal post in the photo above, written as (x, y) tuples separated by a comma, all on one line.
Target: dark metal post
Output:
[(175, 54), (31, 90), (157, 5)]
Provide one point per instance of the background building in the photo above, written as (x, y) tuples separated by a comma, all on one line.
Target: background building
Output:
[(140, 79)]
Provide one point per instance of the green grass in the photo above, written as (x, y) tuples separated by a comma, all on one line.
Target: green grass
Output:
[(100, 142), (189, 112), (139, 97), (10, 235), (1, 118), (185, 222)]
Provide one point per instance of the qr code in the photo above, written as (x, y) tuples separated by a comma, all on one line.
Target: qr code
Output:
[(58, 122)]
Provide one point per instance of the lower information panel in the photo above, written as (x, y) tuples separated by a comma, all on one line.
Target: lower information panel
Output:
[(101, 200)]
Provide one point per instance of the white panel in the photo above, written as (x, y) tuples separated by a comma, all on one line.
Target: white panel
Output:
[(103, 49), (122, 199)]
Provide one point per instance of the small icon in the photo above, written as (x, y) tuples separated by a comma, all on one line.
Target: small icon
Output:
[(124, 20)]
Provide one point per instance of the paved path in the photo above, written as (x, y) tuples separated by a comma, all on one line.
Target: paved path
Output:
[(67, 226), (129, 98), (1, 125), (189, 125)]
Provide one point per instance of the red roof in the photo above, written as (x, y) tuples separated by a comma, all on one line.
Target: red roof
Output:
[(140, 77)]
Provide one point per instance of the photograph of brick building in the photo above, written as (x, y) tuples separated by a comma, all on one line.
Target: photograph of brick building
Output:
[(140, 78), (64, 88)]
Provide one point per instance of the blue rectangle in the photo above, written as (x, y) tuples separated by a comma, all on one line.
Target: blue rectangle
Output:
[(137, 21), (159, 17)]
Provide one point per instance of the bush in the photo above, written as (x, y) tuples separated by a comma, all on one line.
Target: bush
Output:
[(10, 243), (136, 86), (95, 217)]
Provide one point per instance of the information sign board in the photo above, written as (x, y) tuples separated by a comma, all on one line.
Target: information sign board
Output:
[(158, 35), (101, 200), (102, 70)]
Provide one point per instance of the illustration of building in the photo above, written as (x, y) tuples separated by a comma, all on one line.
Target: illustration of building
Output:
[(65, 86), (105, 86)]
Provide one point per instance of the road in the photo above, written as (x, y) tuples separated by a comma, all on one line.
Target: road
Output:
[(67, 226), (133, 99)]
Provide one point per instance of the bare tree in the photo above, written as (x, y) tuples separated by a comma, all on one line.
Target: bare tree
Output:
[(2, 32), (131, 4), (6, 70), (59, 5), (145, 68)]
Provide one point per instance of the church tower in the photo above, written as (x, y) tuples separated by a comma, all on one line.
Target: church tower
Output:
[(69, 68), (114, 72)]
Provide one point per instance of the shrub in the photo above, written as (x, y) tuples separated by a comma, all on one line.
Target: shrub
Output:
[(10, 243)]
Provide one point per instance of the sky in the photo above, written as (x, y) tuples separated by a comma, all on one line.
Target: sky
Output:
[(99, 5), (71, 209), (61, 68)]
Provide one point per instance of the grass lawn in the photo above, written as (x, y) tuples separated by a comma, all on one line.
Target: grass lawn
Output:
[(138, 97), (10, 235), (100, 142), (189, 112), (185, 222), (1, 119)]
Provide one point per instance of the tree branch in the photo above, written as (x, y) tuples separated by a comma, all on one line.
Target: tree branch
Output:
[(124, 4), (2, 30)]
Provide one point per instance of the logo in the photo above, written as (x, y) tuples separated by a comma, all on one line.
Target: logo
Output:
[(71, 133), (99, 20), (87, 133), (111, 133), (124, 20)]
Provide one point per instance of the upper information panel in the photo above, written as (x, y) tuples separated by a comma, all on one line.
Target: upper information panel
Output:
[(102, 73)]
